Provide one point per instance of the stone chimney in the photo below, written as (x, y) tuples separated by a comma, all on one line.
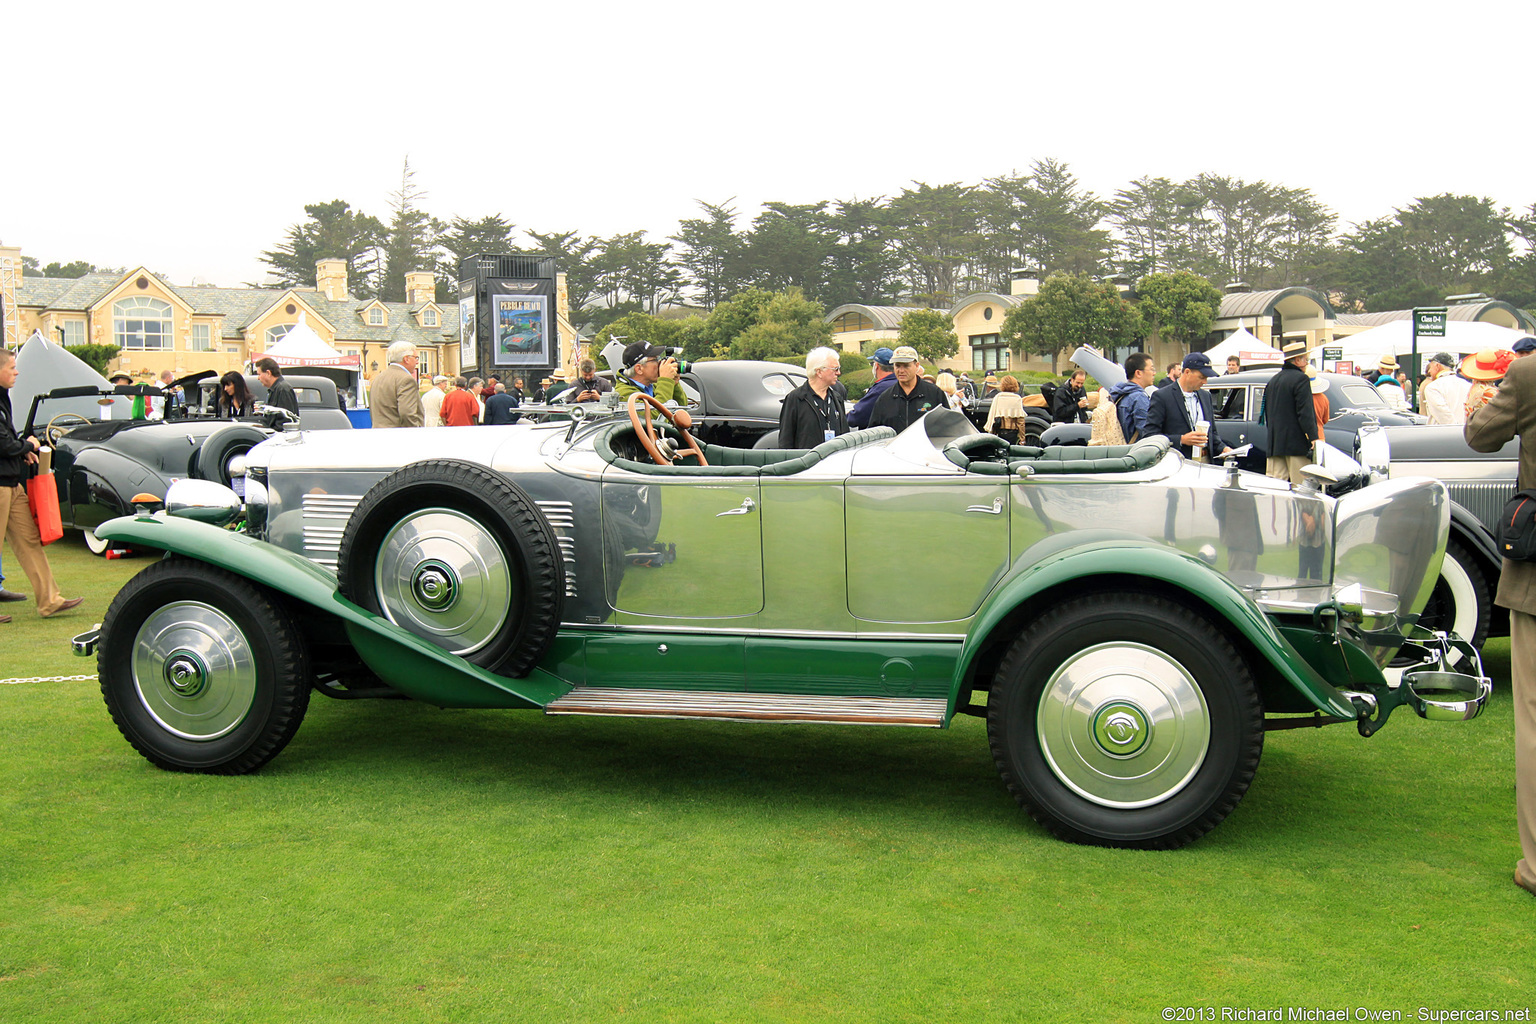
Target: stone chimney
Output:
[(331, 279), (1024, 281), (1238, 287), (420, 286)]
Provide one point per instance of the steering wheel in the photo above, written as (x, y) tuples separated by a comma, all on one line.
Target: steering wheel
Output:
[(54, 430), (660, 448)]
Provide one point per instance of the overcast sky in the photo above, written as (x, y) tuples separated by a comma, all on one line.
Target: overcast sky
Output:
[(189, 136)]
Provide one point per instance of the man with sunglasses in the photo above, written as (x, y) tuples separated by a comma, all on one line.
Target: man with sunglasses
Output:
[(816, 411)]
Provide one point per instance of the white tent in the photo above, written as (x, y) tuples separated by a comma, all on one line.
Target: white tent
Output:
[(302, 349), (1462, 337), (1248, 349), (301, 346)]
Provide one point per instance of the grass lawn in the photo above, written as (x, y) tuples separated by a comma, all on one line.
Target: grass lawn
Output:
[(403, 863)]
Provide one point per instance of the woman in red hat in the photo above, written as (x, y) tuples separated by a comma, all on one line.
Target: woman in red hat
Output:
[(1485, 369)]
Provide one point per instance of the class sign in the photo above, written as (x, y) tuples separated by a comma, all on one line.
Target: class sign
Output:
[(1429, 323)]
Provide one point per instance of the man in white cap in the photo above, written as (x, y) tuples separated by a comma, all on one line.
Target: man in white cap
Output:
[(432, 402), (1445, 396), (911, 397)]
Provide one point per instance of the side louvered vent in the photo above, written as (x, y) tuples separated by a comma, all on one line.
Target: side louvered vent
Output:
[(562, 516), (325, 519)]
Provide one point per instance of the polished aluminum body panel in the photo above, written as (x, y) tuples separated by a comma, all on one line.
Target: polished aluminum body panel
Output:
[(888, 539)]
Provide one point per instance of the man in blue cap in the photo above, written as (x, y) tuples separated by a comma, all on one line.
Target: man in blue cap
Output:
[(1177, 411), (885, 377)]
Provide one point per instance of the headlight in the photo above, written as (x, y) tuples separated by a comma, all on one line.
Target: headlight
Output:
[(203, 501), (255, 507), (1373, 450)]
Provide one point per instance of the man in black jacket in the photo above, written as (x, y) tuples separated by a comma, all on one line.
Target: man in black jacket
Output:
[(1176, 412), (904, 404), (16, 523), (814, 412), (279, 392), (1291, 416)]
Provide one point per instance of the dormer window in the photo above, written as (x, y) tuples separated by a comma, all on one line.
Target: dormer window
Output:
[(429, 317), (376, 316)]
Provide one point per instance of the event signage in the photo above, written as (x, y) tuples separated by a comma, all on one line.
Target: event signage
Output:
[(1333, 353), (1429, 322)]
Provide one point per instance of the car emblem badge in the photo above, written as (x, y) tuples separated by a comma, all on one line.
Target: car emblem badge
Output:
[(1121, 729)]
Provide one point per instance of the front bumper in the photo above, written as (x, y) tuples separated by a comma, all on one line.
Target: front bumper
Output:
[(1447, 685)]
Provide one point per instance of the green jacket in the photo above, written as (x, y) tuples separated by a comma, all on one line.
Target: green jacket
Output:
[(667, 390)]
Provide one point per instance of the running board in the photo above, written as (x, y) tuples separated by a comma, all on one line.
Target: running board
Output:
[(750, 707)]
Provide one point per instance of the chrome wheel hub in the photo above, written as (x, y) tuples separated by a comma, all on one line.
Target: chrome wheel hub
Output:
[(194, 670), (1123, 725), (444, 577)]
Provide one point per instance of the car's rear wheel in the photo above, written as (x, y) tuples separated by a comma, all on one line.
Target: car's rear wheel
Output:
[(1125, 720), (460, 556), (202, 670)]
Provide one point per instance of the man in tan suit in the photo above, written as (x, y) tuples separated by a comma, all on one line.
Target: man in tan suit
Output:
[(395, 396), (1513, 411)]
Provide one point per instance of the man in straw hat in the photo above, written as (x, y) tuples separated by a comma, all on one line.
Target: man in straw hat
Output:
[(1388, 386), (1291, 416), (1511, 412)]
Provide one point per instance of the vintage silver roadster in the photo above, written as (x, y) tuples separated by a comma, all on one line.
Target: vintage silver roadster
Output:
[(1128, 623)]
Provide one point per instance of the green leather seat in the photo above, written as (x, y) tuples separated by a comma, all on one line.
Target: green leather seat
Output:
[(736, 461)]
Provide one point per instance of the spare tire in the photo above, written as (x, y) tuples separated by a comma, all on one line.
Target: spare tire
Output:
[(212, 461), (461, 556)]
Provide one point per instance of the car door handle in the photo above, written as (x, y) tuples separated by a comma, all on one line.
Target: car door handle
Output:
[(747, 505), (994, 509)]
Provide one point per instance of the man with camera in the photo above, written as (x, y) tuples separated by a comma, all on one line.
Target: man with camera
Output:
[(652, 369)]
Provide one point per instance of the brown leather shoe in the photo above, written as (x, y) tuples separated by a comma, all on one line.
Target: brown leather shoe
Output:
[(11, 595), (1523, 885), (73, 602), (7, 618)]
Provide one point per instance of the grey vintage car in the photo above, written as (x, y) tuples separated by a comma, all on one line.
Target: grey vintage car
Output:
[(1128, 623)]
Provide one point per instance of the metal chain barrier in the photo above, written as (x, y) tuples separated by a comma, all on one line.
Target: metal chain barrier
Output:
[(46, 679)]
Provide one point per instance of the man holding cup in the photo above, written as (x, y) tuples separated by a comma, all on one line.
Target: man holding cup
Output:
[(1182, 413)]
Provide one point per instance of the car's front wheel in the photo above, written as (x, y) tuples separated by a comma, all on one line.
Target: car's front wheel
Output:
[(1125, 720), (201, 669)]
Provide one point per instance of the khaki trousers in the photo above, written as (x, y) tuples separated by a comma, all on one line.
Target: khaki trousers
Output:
[(17, 526), (1287, 467), (1522, 658)]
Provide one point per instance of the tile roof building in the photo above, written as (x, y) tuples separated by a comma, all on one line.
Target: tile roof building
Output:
[(161, 326)]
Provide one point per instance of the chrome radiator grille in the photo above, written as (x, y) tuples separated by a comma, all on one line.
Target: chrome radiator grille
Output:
[(1483, 500), (325, 520)]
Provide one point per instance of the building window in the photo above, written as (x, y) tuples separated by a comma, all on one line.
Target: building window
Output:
[(429, 317), (988, 353), (376, 317), (278, 333), (74, 332), (202, 338), (141, 322), (849, 322)]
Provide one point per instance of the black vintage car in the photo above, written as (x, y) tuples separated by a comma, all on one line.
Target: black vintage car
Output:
[(737, 400), (101, 465)]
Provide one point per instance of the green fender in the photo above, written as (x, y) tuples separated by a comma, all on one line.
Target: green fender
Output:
[(1128, 557), (404, 660)]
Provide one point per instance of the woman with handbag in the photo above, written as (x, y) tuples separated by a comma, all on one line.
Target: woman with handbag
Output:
[(16, 523)]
